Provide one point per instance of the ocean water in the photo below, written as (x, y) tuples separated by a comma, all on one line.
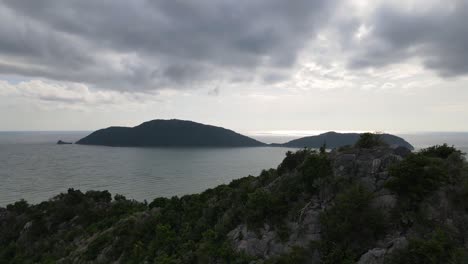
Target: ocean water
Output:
[(34, 168)]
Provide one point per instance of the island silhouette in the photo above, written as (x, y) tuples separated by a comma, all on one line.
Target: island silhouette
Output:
[(184, 133)]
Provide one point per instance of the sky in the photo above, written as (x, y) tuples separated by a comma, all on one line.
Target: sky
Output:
[(251, 66)]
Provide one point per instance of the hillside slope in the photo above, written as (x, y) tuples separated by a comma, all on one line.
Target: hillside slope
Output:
[(169, 133), (359, 205)]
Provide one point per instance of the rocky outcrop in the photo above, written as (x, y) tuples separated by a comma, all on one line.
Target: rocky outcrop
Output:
[(266, 243), (368, 167), (378, 255)]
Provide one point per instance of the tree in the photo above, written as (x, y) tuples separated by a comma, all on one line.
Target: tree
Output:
[(370, 140)]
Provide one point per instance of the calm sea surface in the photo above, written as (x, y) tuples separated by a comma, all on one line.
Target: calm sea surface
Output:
[(33, 167)]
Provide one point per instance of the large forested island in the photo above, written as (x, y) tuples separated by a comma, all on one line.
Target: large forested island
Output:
[(169, 133), (363, 204)]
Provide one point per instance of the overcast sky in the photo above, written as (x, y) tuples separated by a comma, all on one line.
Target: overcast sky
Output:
[(251, 66)]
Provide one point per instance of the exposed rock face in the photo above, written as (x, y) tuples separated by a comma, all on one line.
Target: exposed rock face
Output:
[(262, 244), (377, 255), (266, 243), (368, 167)]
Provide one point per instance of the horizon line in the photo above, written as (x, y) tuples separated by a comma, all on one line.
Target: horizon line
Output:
[(273, 133)]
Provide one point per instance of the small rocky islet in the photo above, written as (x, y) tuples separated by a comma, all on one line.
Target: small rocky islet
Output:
[(368, 204), (61, 142)]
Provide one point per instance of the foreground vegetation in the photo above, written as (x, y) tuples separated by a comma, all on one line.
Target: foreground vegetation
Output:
[(430, 213)]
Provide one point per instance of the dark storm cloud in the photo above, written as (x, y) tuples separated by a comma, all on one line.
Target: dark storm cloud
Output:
[(438, 36), (140, 44)]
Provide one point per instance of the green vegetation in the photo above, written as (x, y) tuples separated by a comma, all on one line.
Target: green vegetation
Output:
[(370, 140), (350, 227), (293, 160), (18, 207), (314, 168), (415, 180), (422, 173), (441, 151), (417, 176), (438, 247)]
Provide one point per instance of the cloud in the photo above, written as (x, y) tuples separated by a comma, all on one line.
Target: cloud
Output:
[(61, 94), (433, 32), (214, 92), (145, 45)]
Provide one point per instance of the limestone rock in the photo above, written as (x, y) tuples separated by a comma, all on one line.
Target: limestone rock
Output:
[(373, 256)]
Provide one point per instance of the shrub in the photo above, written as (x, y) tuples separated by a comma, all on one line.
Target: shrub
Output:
[(72, 197), (439, 248), (293, 160), (370, 140), (440, 151), (159, 202), (99, 196), (96, 246), (267, 176), (119, 197), (262, 206), (350, 227), (315, 166), (417, 176), (18, 207)]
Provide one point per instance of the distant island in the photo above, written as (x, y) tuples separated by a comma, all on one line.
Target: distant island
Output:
[(182, 133), (60, 142), (335, 140), (169, 133)]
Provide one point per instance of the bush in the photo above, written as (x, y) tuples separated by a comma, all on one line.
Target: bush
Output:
[(441, 151), (370, 140), (262, 206), (315, 166), (96, 246), (119, 197), (72, 197), (293, 160), (350, 227), (439, 248), (18, 207), (99, 196), (417, 176), (159, 202)]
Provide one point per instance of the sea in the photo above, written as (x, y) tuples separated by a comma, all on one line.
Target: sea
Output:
[(34, 168)]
